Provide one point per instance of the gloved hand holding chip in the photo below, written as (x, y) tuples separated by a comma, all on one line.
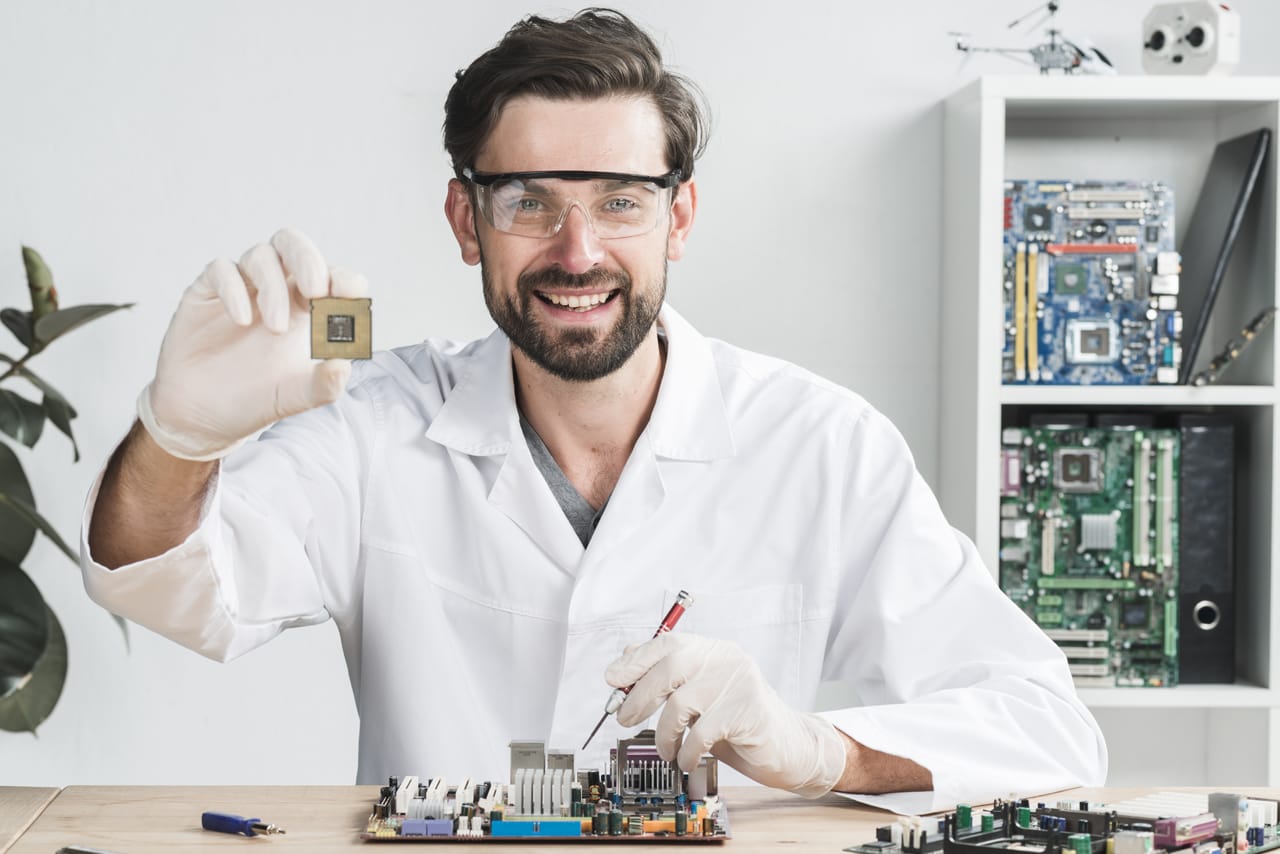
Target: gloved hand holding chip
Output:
[(717, 701), (237, 355)]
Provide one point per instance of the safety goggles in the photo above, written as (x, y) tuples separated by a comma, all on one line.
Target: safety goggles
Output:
[(535, 204)]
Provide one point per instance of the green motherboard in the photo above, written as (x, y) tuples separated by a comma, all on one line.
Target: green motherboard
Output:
[(1089, 546)]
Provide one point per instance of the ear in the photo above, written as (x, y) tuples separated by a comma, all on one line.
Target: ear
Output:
[(682, 211), (462, 219)]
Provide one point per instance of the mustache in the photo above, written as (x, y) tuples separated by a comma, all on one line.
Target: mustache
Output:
[(561, 278)]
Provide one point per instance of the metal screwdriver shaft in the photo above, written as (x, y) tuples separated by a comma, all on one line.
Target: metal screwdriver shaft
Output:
[(683, 601)]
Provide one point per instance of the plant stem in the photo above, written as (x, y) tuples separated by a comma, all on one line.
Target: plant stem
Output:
[(16, 367)]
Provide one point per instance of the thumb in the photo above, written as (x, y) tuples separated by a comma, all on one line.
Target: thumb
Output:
[(322, 384)]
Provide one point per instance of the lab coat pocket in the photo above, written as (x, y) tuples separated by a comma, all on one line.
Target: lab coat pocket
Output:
[(763, 620)]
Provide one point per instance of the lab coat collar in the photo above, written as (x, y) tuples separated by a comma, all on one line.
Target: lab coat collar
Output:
[(689, 421)]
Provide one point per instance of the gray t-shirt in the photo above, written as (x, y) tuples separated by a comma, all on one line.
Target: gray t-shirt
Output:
[(582, 516)]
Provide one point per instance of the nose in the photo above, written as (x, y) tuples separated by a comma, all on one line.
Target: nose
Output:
[(576, 247)]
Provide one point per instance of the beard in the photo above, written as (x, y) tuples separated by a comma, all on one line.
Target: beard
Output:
[(574, 354)]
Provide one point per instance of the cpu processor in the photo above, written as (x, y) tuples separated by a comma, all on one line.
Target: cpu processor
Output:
[(341, 328)]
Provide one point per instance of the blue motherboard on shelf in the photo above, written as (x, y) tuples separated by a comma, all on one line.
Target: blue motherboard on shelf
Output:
[(1090, 283)]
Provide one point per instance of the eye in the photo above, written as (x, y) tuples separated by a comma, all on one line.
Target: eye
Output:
[(528, 204), (619, 204)]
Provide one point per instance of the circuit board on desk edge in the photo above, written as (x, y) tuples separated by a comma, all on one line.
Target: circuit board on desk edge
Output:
[(1181, 822), (639, 798), (1089, 533), (1090, 283)]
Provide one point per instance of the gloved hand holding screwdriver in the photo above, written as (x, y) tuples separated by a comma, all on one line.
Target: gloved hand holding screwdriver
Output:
[(236, 357), (717, 701)]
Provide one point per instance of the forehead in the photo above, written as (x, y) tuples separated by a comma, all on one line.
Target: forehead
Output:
[(619, 134)]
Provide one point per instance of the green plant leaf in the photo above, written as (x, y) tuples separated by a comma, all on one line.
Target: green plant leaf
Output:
[(16, 532), (28, 513), (19, 323), (24, 632), (58, 323), (44, 296), (60, 413), (21, 419), (29, 706)]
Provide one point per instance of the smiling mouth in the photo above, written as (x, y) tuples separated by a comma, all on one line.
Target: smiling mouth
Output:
[(576, 302)]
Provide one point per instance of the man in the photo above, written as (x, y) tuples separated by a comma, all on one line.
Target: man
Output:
[(490, 524)]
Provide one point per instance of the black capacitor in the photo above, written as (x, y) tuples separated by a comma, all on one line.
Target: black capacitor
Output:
[(682, 823), (1082, 826), (495, 815), (1084, 806), (615, 823), (394, 783), (600, 824)]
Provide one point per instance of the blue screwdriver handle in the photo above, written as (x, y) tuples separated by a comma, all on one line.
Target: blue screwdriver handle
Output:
[(227, 823)]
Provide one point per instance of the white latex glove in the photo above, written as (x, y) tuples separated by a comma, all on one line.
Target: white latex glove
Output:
[(237, 355), (716, 692)]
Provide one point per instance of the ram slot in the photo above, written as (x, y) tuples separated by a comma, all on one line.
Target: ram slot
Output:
[(1141, 501), (1033, 321), (1164, 502), (1019, 313)]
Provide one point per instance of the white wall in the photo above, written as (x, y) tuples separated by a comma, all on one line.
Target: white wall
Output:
[(140, 140)]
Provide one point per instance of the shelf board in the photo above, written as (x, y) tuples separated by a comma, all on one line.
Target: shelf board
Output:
[(1155, 395), (1240, 695), (1175, 97)]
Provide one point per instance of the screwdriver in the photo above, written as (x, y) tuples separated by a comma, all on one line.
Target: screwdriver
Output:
[(683, 601), (227, 823)]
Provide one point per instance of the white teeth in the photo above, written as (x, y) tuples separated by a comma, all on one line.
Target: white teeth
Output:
[(580, 303)]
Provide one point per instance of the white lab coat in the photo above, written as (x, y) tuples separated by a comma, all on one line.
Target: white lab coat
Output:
[(412, 514)]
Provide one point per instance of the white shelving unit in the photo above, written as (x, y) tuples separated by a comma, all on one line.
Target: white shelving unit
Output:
[(1138, 128)]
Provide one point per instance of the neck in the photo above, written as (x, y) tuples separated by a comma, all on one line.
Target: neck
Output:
[(604, 416)]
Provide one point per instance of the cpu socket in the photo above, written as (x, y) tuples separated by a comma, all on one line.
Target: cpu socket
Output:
[(1092, 342), (1078, 470)]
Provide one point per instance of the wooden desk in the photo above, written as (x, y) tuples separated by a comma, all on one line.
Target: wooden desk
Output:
[(19, 807), (321, 819)]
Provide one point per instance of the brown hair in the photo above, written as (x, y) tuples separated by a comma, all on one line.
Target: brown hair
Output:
[(594, 54)]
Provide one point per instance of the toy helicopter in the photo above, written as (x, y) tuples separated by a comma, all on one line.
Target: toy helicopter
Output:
[(1059, 53)]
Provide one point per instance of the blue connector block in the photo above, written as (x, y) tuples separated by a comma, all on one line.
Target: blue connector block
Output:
[(413, 827), (535, 828), (439, 827)]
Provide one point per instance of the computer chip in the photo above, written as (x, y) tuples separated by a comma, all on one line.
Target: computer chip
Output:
[(341, 328)]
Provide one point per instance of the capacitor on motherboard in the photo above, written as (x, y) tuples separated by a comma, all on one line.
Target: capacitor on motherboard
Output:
[(1024, 816), (600, 823), (964, 816), (988, 822), (615, 822), (708, 826), (682, 823), (1081, 843)]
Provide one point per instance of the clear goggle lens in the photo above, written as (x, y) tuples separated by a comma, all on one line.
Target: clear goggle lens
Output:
[(536, 204)]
